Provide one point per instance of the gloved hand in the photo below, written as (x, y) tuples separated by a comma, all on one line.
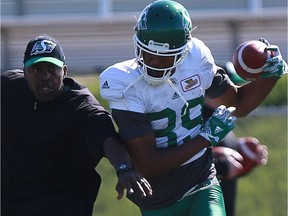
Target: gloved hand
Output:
[(218, 125), (275, 65)]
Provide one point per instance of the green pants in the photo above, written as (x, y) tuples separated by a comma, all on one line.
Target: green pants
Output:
[(208, 202)]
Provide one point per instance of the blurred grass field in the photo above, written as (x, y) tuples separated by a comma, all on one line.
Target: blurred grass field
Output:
[(261, 193)]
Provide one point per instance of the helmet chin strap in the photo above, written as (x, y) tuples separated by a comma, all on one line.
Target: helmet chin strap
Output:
[(180, 95), (165, 81), (131, 84)]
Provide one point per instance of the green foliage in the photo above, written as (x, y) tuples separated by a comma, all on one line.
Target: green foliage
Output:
[(278, 96), (262, 192), (91, 81)]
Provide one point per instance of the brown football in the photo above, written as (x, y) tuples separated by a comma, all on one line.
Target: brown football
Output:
[(249, 58)]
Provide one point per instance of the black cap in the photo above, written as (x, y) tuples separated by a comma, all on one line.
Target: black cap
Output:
[(44, 48)]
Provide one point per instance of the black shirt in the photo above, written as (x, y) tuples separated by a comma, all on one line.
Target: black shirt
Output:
[(51, 148)]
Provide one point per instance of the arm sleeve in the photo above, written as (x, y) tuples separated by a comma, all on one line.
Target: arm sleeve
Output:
[(97, 127), (220, 84), (117, 87), (124, 120)]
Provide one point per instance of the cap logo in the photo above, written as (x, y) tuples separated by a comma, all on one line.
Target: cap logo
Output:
[(44, 46)]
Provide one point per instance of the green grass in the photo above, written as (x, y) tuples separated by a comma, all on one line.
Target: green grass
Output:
[(279, 94), (262, 192)]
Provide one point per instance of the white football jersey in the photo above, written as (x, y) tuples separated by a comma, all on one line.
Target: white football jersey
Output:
[(174, 107)]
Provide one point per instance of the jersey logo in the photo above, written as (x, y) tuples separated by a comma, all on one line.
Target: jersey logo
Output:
[(44, 46), (175, 96), (218, 130), (190, 83), (174, 81), (105, 85)]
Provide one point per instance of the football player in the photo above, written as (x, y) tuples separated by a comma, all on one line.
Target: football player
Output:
[(156, 100)]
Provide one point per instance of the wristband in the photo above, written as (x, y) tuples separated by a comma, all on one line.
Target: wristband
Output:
[(123, 168)]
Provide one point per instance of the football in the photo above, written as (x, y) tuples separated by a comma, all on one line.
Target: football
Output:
[(248, 150), (249, 59)]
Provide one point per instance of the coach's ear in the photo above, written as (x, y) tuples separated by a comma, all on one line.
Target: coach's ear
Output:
[(65, 69), (24, 70)]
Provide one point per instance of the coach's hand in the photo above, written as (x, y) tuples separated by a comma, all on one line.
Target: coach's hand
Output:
[(219, 125), (133, 182)]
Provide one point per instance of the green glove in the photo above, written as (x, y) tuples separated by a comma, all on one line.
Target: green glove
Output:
[(218, 125), (275, 65)]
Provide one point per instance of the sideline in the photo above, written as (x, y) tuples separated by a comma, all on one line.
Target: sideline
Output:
[(269, 111)]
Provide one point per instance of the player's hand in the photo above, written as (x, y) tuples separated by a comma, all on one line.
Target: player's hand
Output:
[(133, 182), (275, 65), (218, 125), (262, 154), (234, 165), (228, 162), (235, 168)]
